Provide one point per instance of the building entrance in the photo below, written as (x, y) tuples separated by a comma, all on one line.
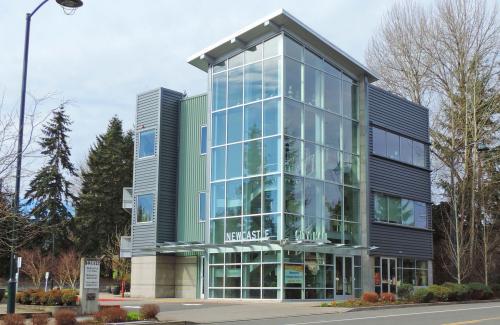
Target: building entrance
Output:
[(388, 274)]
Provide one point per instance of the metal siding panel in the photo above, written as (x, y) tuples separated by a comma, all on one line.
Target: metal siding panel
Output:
[(400, 241), (192, 168)]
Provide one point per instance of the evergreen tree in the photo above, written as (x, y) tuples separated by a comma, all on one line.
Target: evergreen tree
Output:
[(99, 212), (50, 190)]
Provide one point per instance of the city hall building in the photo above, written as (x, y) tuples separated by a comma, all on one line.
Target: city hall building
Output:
[(291, 178)]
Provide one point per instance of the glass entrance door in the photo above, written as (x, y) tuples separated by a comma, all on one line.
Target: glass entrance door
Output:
[(343, 277), (388, 274)]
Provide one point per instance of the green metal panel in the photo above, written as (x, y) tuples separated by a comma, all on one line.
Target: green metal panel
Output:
[(191, 168)]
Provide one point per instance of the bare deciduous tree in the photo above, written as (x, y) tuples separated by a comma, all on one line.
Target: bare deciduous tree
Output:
[(35, 264), (67, 269)]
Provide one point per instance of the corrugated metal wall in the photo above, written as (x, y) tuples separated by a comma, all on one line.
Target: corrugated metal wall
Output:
[(398, 179), (191, 168)]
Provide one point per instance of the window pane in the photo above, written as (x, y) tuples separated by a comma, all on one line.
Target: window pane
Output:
[(236, 61), (203, 140), (333, 201), (217, 198), (233, 198), (332, 94), (271, 226), (394, 207), (233, 233), (293, 227), (233, 279), (145, 208), (234, 158), (253, 82), (351, 204), (313, 87), (330, 69), (252, 190), (392, 146), (217, 276), (332, 131), (218, 163), (350, 138), (253, 54), (219, 67), (312, 59), (251, 257), (312, 160), (333, 171), (293, 79), (334, 230), (272, 154), (219, 91), (253, 121), (380, 207), (418, 154), (407, 216), (272, 197), (234, 124), (273, 46), (252, 163), (350, 100), (351, 234), (293, 49), (271, 116), (251, 276), (218, 128), (270, 273), (235, 87), (202, 201), (293, 118), (294, 195), (293, 161), (272, 77), (420, 215), (351, 169), (252, 228), (379, 142), (147, 143), (313, 198), (405, 150), (313, 125)]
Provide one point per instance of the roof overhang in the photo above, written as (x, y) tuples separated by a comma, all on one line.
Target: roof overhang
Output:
[(274, 23)]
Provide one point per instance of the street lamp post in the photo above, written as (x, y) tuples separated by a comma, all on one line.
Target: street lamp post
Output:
[(70, 4)]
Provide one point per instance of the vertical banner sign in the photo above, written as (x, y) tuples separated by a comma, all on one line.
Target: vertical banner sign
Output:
[(91, 275)]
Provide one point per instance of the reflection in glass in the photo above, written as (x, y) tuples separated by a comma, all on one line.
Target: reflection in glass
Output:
[(313, 87), (293, 161), (332, 130), (233, 232), (333, 171), (219, 91), (147, 143), (235, 87), (293, 79), (272, 197), (312, 59), (233, 277), (236, 61), (380, 207), (253, 54), (271, 227), (218, 128), (394, 208), (312, 160), (351, 204), (313, 125), (251, 275), (233, 198), (218, 163), (234, 159), (293, 49), (313, 195), (234, 124), (272, 74), (270, 273), (252, 228), (145, 208), (272, 154), (252, 162), (418, 154), (253, 82), (271, 116), (350, 100), (351, 169), (334, 230), (350, 140), (379, 142), (252, 189), (273, 47), (216, 276), (405, 150), (293, 226), (217, 231), (293, 118), (333, 201), (407, 217), (392, 146), (420, 215), (332, 94), (217, 198), (253, 121), (294, 195)]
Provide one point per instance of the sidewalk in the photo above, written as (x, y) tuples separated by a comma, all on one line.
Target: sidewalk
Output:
[(246, 311)]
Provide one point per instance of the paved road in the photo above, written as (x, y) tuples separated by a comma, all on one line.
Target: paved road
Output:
[(465, 314)]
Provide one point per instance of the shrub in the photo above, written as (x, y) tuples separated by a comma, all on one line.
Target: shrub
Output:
[(69, 297), (439, 293), (26, 298), (111, 315), (133, 316), (422, 295), (149, 311), (54, 297), (2, 294), (19, 297), (387, 297), (40, 319), (495, 287), (116, 290), (405, 291), (13, 319), (458, 292), (478, 291), (370, 297), (36, 298), (65, 317)]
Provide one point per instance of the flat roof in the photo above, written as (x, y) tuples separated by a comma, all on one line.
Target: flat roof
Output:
[(277, 21)]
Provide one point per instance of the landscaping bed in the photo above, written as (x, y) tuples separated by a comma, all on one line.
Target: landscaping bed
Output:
[(56, 297), (407, 295)]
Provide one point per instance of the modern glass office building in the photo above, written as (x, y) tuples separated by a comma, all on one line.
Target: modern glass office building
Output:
[(292, 178)]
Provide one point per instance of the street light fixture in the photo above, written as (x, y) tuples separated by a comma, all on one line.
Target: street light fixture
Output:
[(70, 5)]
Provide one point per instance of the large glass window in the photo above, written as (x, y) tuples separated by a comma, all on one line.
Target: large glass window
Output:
[(273, 47), (293, 118), (235, 87), (351, 204), (333, 201), (381, 212), (217, 200), (219, 91), (405, 150), (350, 100), (351, 169), (350, 140), (252, 159), (253, 82), (332, 94), (332, 166), (272, 197), (407, 217), (294, 194), (293, 49), (219, 128), (253, 54), (272, 154), (234, 160), (234, 192), (332, 130), (394, 208), (218, 163), (420, 215), (379, 142), (400, 211), (234, 124), (147, 143), (272, 116), (313, 87), (145, 207), (253, 121), (392, 146), (397, 147), (313, 198), (313, 160), (313, 125), (293, 79), (252, 190), (293, 154), (418, 154), (272, 75)]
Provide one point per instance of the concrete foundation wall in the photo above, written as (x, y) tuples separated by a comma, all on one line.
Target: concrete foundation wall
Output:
[(164, 277)]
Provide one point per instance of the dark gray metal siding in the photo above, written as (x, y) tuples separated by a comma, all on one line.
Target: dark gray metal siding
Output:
[(168, 155), (390, 177)]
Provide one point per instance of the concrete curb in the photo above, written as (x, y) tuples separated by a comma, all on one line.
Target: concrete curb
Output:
[(421, 305)]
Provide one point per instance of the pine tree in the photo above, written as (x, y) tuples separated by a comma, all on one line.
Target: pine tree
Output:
[(50, 190), (99, 212)]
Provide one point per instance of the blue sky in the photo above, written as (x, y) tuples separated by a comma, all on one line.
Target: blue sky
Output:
[(110, 50)]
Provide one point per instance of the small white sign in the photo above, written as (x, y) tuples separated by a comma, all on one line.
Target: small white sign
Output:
[(46, 275), (19, 262), (91, 277)]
